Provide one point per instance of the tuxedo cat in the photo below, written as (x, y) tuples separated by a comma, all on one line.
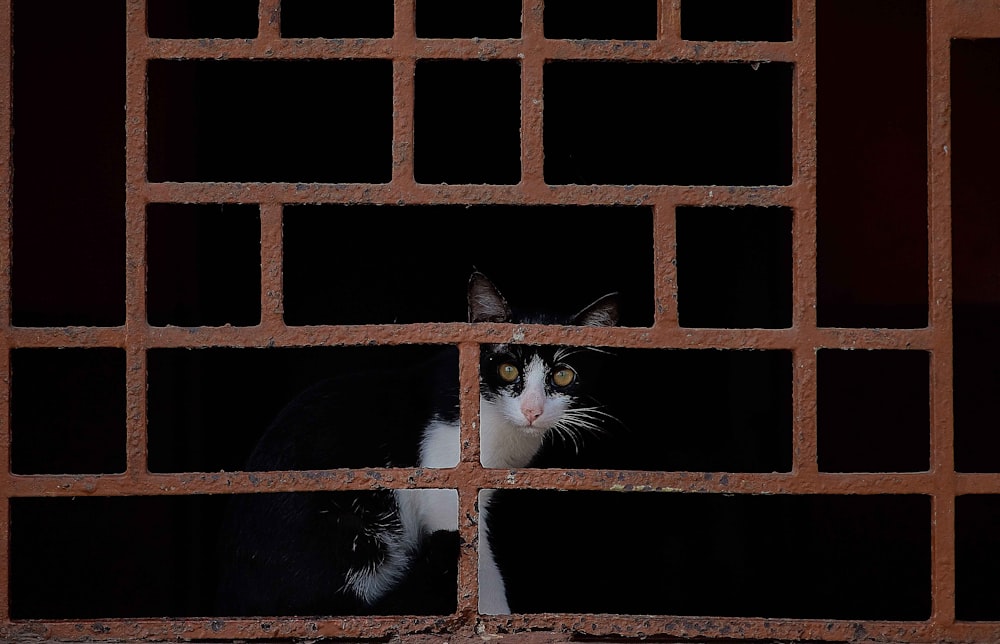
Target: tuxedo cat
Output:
[(395, 551)]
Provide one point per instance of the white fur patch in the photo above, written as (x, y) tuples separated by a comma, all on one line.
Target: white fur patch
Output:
[(370, 583), (426, 511), (440, 446), (492, 591), (504, 444)]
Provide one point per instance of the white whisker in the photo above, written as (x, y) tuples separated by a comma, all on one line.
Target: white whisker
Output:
[(562, 353), (577, 421)]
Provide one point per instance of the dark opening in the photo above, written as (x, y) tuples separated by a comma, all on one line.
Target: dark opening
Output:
[(236, 120), (592, 19), (872, 159), (311, 19), (874, 411), (729, 411), (108, 557), (385, 264), (79, 558), (67, 411), (462, 19), (208, 408), (769, 20), (729, 123), (810, 556), (977, 557), (69, 153), (203, 264), (734, 267), (200, 19), (467, 121), (975, 135)]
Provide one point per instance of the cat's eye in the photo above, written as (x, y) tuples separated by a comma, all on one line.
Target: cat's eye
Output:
[(508, 372), (563, 377)]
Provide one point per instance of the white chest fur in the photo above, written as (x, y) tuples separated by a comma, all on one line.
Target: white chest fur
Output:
[(503, 445)]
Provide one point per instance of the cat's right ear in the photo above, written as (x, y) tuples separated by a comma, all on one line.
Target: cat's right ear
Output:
[(603, 312), (485, 302)]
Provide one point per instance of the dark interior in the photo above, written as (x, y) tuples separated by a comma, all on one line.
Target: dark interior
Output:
[(311, 19), (872, 164), (734, 267), (975, 135), (975, 85), (604, 123), (596, 20), (742, 20), (467, 122), (460, 19), (203, 264), (867, 557)]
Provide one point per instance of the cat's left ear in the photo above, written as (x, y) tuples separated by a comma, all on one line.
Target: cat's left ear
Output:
[(485, 302), (603, 312)]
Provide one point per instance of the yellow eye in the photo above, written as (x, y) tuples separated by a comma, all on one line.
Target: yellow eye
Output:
[(508, 372), (563, 377)]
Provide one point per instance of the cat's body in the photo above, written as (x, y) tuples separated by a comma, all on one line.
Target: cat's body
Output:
[(396, 551)]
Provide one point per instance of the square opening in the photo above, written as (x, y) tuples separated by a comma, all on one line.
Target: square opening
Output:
[(596, 20), (874, 411), (463, 19), (311, 19), (250, 120), (67, 411), (360, 265), (200, 19), (731, 125), (467, 122), (867, 557), (734, 267), (769, 20), (203, 264)]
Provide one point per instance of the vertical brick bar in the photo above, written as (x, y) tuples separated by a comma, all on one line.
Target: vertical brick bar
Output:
[(271, 253), (940, 314), (468, 514), (665, 264), (269, 21), (669, 29), (532, 65), (6, 217), (804, 391), (136, 328), (404, 39)]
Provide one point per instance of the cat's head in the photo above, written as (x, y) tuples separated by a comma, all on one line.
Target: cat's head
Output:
[(539, 388)]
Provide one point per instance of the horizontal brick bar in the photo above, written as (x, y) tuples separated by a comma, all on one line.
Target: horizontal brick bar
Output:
[(440, 194), (543, 629), (479, 49), (471, 476), (661, 337)]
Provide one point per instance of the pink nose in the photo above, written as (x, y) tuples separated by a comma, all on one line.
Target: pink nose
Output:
[(530, 413)]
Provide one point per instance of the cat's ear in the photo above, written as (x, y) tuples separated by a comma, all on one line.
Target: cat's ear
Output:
[(603, 312), (485, 302)]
